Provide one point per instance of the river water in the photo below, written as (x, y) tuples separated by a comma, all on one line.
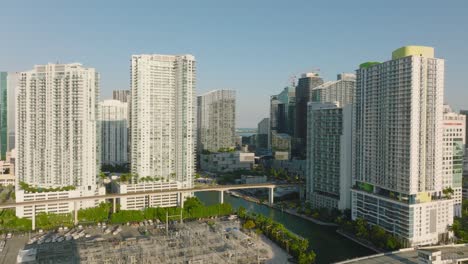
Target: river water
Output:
[(327, 244)]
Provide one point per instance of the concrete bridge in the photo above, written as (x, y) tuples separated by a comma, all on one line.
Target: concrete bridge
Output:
[(114, 196)]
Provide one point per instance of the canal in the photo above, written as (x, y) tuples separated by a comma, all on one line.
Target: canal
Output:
[(327, 244)]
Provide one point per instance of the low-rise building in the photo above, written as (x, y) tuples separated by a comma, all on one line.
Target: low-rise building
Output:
[(7, 179), (249, 179), (281, 155), (144, 201), (280, 142), (227, 161), (447, 254), (292, 167), (7, 169)]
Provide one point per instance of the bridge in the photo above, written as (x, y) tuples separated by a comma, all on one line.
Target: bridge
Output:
[(114, 196)]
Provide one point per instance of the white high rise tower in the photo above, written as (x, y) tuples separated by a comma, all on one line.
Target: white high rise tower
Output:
[(216, 120), (397, 148), (163, 128), (57, 135)]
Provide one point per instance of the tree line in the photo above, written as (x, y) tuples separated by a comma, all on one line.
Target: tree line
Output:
[(193, 209), (297, 246)]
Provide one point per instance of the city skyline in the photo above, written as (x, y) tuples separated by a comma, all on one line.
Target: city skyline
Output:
[(225, 37)]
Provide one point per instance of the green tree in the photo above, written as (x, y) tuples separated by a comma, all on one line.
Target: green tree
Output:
[(307, 258), (448, 192), (249, 224), (361, 228), (95, 214), (378, 236), (241, 212), (392, 243), (192, 203)]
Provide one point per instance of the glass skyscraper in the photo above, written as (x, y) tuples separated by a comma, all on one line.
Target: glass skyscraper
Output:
[(8, 83)]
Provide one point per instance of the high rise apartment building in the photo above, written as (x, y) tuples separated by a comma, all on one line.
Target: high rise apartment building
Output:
[(329, 155), (216, 120), (453, 153), (114, 132), (465, 159), (8, 82), (57, 135), (306, 84), (121, 95), (397, 147), (263, 134), (465, 113), (282, 111), (163, 117), (341, 91)]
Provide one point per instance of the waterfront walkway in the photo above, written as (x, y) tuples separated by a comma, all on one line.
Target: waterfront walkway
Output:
[(315, 221), (361, 242), (289, 211)]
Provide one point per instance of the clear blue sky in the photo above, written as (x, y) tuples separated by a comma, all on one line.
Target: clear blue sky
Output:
[(252, 46)]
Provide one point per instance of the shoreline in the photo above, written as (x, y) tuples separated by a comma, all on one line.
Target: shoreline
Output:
[(358, 241), (288, 211), (278, 254)]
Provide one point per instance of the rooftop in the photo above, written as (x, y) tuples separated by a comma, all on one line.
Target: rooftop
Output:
[(410, 256)]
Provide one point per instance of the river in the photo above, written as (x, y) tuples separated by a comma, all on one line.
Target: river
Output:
[(327, 244)]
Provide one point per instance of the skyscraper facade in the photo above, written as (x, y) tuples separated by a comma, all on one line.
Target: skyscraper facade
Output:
[(216, 120), (263, 134), (465, 113), (282, 111), (306, 84), (163, 117), (8, 81), (328, 171), (397, 147), (114, 132), (57, 135), (465, 159), (453, 153), (342, 90), (121, 95)]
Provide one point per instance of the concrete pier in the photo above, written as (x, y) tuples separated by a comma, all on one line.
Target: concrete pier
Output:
[(221, 197), (271, 195)]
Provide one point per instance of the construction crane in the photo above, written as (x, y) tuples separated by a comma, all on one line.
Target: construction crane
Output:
[(292, 80)]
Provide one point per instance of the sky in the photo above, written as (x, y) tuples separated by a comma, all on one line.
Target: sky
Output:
[(251, 46)]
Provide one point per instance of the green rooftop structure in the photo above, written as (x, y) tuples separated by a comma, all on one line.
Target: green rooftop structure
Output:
[(406, 51), (368, 64)]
